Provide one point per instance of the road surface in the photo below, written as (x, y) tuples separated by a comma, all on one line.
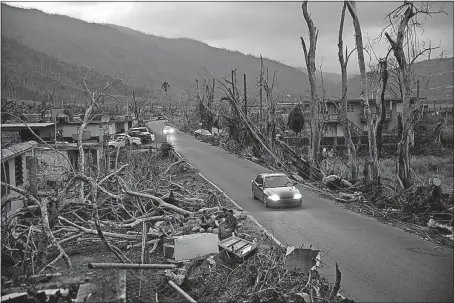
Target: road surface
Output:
[(379, 262)]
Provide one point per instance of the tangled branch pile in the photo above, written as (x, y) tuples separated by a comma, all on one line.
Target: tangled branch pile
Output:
[(262, 278), (146, 189), (422, 209)]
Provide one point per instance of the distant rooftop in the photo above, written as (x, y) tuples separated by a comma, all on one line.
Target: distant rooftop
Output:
[(67, 145), (23, 125)]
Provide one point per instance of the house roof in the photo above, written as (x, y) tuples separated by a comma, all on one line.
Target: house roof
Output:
[(17, 149), (10, 126)]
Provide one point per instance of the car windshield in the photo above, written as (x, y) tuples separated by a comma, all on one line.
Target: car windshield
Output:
[(277, 181), (143, 130)]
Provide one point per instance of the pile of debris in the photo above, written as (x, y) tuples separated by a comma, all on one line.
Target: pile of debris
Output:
[(264, 277), (140, 214), (423, 209)]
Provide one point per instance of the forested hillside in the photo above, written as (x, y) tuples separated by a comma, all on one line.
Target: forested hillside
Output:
[(137, 58), (27, 74)]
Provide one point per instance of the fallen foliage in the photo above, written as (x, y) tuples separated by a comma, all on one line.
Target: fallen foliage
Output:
[(154, 195)]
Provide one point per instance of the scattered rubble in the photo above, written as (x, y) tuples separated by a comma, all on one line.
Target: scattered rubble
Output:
[(153, 203)]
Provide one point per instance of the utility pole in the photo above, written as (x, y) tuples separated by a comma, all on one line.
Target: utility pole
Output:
[(233, 84), (260, 91), (245, 97)]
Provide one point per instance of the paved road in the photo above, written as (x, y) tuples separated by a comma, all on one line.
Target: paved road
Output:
[(379, 263)]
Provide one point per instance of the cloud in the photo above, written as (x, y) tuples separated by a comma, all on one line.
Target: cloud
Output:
[(268, 28)]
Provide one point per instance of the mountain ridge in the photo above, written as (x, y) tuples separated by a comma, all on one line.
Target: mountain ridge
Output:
[(136, 57), (144, 61)]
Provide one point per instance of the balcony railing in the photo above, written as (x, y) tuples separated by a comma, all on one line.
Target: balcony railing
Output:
[(374, 116), (332, 117)]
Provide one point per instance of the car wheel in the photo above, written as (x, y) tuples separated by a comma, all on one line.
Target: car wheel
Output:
[(111, 147), (135, 145), (253, 195)]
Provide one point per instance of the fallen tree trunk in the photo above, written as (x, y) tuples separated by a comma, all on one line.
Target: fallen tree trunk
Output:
[(182, 292), (130, 266), (106, 234), (174, 164), (160, 202)]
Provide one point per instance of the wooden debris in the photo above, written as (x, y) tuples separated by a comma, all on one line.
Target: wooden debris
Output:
[(182, 292), (130, 266)]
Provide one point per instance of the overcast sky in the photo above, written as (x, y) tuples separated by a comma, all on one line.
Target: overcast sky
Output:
[(268, 28)]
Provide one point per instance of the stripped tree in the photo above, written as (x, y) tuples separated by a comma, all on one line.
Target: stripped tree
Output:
[(271, 99), (373, 165), (406, 49), (315, 107), (351, 149), (205, 104)]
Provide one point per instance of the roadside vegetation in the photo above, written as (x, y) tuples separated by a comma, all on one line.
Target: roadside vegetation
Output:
[(413, 178)]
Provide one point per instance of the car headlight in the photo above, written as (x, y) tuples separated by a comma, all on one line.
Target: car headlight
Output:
[(274, 198), (297, 196)]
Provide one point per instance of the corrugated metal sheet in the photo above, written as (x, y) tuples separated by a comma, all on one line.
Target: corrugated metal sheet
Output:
[(17, 149)]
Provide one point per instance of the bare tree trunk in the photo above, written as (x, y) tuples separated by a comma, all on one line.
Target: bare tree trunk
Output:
[(373, 156), (438, 131), (381, 107), (408, 118), (351, 149), (314, 106)]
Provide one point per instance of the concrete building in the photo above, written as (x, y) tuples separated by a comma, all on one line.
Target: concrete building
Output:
[(15, 171), (21, 131), (56, 162)]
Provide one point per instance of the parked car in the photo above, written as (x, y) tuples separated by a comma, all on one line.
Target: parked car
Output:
[(167, 130), (142, 132), (202, 133), (276, 189), (134, 141), (116, 143)]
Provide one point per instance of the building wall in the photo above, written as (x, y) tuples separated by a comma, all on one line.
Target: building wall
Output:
[(52, 165), (16, 204), (95, 129), (47, 132), (393, 122), (69, 129), (10, 137)]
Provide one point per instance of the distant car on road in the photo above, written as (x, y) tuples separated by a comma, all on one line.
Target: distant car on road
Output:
[(167, 130), (143, 133), (276, 189), (202, 133)]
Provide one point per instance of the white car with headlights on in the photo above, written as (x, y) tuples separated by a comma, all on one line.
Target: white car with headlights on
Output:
[(167, 130), (276, 190)]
